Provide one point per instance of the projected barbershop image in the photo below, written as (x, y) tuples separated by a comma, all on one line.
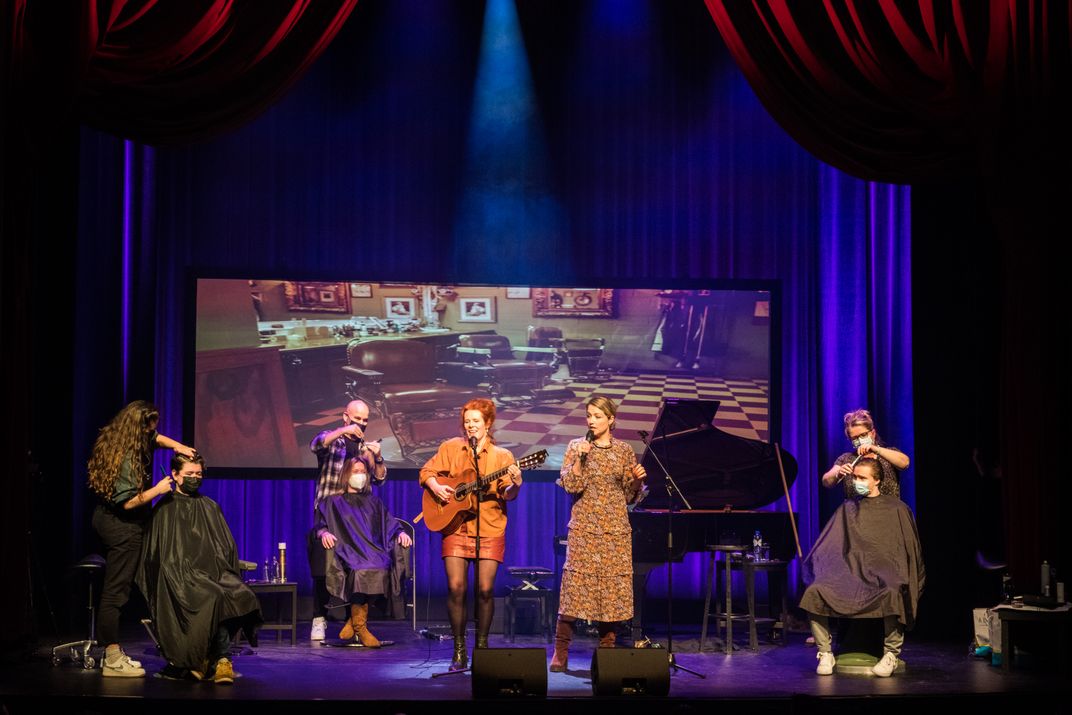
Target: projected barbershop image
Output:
[(277, 362)]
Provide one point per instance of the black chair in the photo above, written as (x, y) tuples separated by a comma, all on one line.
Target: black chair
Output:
[(488, 361), (79, 651)]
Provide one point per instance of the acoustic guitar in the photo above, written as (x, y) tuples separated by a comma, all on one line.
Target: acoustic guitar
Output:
[(442, 516)]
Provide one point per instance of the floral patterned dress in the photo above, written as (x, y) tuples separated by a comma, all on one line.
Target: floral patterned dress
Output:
[(597, 579)]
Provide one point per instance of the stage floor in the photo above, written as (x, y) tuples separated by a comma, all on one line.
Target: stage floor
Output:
[(310, 677)]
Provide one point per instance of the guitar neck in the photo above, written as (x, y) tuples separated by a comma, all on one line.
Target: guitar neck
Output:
[(489, 478)]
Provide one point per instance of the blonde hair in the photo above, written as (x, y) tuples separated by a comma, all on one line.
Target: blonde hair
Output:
[(124, 437), (604, 405), (862, 418)]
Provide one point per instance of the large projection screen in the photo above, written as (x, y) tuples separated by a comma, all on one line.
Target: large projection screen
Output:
[(275, 362)]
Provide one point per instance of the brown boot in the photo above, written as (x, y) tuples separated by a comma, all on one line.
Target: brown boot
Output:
[(607, 636), (481, 640), (460, 660), (359, 617), (347, 632), (563, 636)]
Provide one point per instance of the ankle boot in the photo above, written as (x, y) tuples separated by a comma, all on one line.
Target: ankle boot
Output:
[(481, 640), (460, 660), (359, 617), (607, 636), (563, 636)]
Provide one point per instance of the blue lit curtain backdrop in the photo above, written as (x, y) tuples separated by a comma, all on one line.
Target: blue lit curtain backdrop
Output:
[(644, 153)]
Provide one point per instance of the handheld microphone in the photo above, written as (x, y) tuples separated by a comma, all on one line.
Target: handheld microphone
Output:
[(472, 444), (589, 437), (643, 434)]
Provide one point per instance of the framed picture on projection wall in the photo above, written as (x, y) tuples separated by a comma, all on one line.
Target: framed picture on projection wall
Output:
[(573, 302), (317, 297)]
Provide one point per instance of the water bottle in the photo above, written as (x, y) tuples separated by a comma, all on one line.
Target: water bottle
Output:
[(757, 546), (1006, 588), (275, 570), (267, 571), (1045, 578)]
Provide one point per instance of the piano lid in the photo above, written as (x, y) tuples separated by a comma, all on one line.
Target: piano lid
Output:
[(713, 469)]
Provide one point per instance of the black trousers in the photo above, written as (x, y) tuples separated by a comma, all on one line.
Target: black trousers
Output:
[(317, 567), (122, 539)]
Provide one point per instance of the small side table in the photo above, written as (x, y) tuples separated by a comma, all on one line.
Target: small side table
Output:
[(289, 588), (1057, 619), (777, 572), (727, 551)]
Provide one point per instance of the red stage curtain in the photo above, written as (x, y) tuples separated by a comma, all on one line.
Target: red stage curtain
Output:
[(905, 91)]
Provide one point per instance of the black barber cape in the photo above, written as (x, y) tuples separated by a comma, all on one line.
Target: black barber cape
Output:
[(866, 563), (365, 533), (189, 575)]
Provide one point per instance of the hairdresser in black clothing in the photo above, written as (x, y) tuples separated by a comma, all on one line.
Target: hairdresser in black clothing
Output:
[(119, 474)]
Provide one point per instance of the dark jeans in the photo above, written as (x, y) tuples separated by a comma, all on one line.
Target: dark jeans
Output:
[(122, 537)]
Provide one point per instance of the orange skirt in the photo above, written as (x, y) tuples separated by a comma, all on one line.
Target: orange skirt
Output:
[(464, 546)]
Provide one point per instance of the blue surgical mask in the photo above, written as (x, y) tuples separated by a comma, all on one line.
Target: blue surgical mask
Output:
[(861, 487), (863, 441)]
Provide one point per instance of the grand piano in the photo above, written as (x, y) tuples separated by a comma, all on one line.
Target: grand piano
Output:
[(724, 478)]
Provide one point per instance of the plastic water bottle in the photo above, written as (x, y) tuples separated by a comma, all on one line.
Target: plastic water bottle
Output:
[(275, 570), (1045, 578), (757, 546)]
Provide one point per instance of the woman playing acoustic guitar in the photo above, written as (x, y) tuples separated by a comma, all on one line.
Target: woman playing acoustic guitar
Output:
[(452, 462)]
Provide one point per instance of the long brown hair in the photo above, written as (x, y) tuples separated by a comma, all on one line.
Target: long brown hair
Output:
[(125, 437)]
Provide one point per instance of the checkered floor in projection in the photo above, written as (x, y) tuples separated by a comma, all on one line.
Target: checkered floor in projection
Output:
[(524, 428)]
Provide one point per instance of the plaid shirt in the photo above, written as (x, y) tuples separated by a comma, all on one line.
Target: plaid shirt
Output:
[(330, 457)]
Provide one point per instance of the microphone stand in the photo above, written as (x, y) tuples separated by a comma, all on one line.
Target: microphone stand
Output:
[(476, 567), (671, 488)]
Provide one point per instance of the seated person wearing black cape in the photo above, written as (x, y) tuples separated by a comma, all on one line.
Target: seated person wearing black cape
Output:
[(866, 563), (189, 575), (359, 533)]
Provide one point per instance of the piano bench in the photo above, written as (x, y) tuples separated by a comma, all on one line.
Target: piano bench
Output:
[(734, 560)]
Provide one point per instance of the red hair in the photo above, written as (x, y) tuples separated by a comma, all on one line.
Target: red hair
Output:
[(485, 407)]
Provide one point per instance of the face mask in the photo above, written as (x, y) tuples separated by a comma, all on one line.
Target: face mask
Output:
[(863, 441), (358, 480), (190, 485), (861, 487)]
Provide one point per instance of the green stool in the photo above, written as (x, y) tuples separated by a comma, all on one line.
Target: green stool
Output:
[(859, 646)]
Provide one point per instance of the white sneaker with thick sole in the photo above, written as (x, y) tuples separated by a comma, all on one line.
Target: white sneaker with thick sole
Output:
[(826, 664), (121, 667), (885, 667), (319, 630)]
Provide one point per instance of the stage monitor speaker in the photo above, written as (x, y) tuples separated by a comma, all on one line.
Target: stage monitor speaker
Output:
[(630, 671), (509, 672)]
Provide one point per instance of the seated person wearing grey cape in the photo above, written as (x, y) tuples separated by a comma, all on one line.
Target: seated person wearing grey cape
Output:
[(189, 575), (359, 534), (866, 563)]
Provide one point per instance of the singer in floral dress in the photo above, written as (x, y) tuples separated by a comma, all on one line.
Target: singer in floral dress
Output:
[(602, 475)]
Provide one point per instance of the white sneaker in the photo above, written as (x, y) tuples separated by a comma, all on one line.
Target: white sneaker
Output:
[(121, 667), (826, 663), (319, 630), (885, 667)]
